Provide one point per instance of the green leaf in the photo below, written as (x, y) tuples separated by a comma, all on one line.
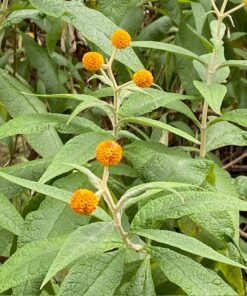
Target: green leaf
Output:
[(53, 35), (238, 116), (100, 236), (19, 104), (224, 134), (142, 283), (36, 123), (105, 272), (169, 48), (172, 9), (19, 15), (192, 277), (154, 162), (133, 20), (10, 218), (31, 261), (142, 103), (78, 150), (161, 125), (213, 94), (185, 243), (51, 191), (28, 170), (234, 63), (92, 24), (171, 206), (41, 61)]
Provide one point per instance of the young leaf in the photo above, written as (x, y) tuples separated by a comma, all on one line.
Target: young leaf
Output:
[(105, 272), (78, 150), (161, 125), (213, 94), (31, 261), (192, 277), (185, 243), (99, 236), (10, 218), (142, 283)]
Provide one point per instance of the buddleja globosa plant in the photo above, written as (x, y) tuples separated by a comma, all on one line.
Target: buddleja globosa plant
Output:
[(121, 213)]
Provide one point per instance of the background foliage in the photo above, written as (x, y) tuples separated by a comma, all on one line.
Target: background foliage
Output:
[(182, 204)]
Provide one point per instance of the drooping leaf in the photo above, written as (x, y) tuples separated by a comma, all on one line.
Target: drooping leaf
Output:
[(36, 123), (185, 243), (192, 277), (105, 272)]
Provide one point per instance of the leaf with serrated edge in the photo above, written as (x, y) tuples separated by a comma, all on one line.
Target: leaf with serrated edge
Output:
[(192, 277), (185, 243), (105, 272), (99, 236)]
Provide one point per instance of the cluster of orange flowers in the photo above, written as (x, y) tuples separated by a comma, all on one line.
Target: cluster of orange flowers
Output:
[(245, 2), (84, 201), (94, 61)]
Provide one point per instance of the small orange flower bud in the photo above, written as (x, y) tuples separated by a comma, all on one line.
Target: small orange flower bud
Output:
[(92, 61), (121, 39), (143, 78), (109, 153), (84, 201)]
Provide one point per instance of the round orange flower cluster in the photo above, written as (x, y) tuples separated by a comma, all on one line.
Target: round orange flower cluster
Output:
[(121, 39), (245, 2), (109, 153), (143, 78), (84, 201), (92, 61)]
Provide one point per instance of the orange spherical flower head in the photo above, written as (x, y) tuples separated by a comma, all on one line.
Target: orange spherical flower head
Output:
[(93, 61), (143, 78), (84, 201), (245, 3), (121, 39), (109, 153)]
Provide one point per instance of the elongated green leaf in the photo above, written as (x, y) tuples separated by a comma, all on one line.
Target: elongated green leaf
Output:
[(31, 170), (78, 150), (185, 243), (161, 125), (166, 164), (36, 123), (238, 116), (92, 24), (10, 218), (100, 236), (18, 104), (142, 283), (192, 277), (167, 47), (234, 63), (29, 262), (142, 103), (171, 206), (224, 134), (105, 272), (213, 94), (19, 15), (51, 191)]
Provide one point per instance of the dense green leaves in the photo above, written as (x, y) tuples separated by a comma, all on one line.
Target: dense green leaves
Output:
[(98, 274), (85, 240), (29, 262), (192, 277)]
